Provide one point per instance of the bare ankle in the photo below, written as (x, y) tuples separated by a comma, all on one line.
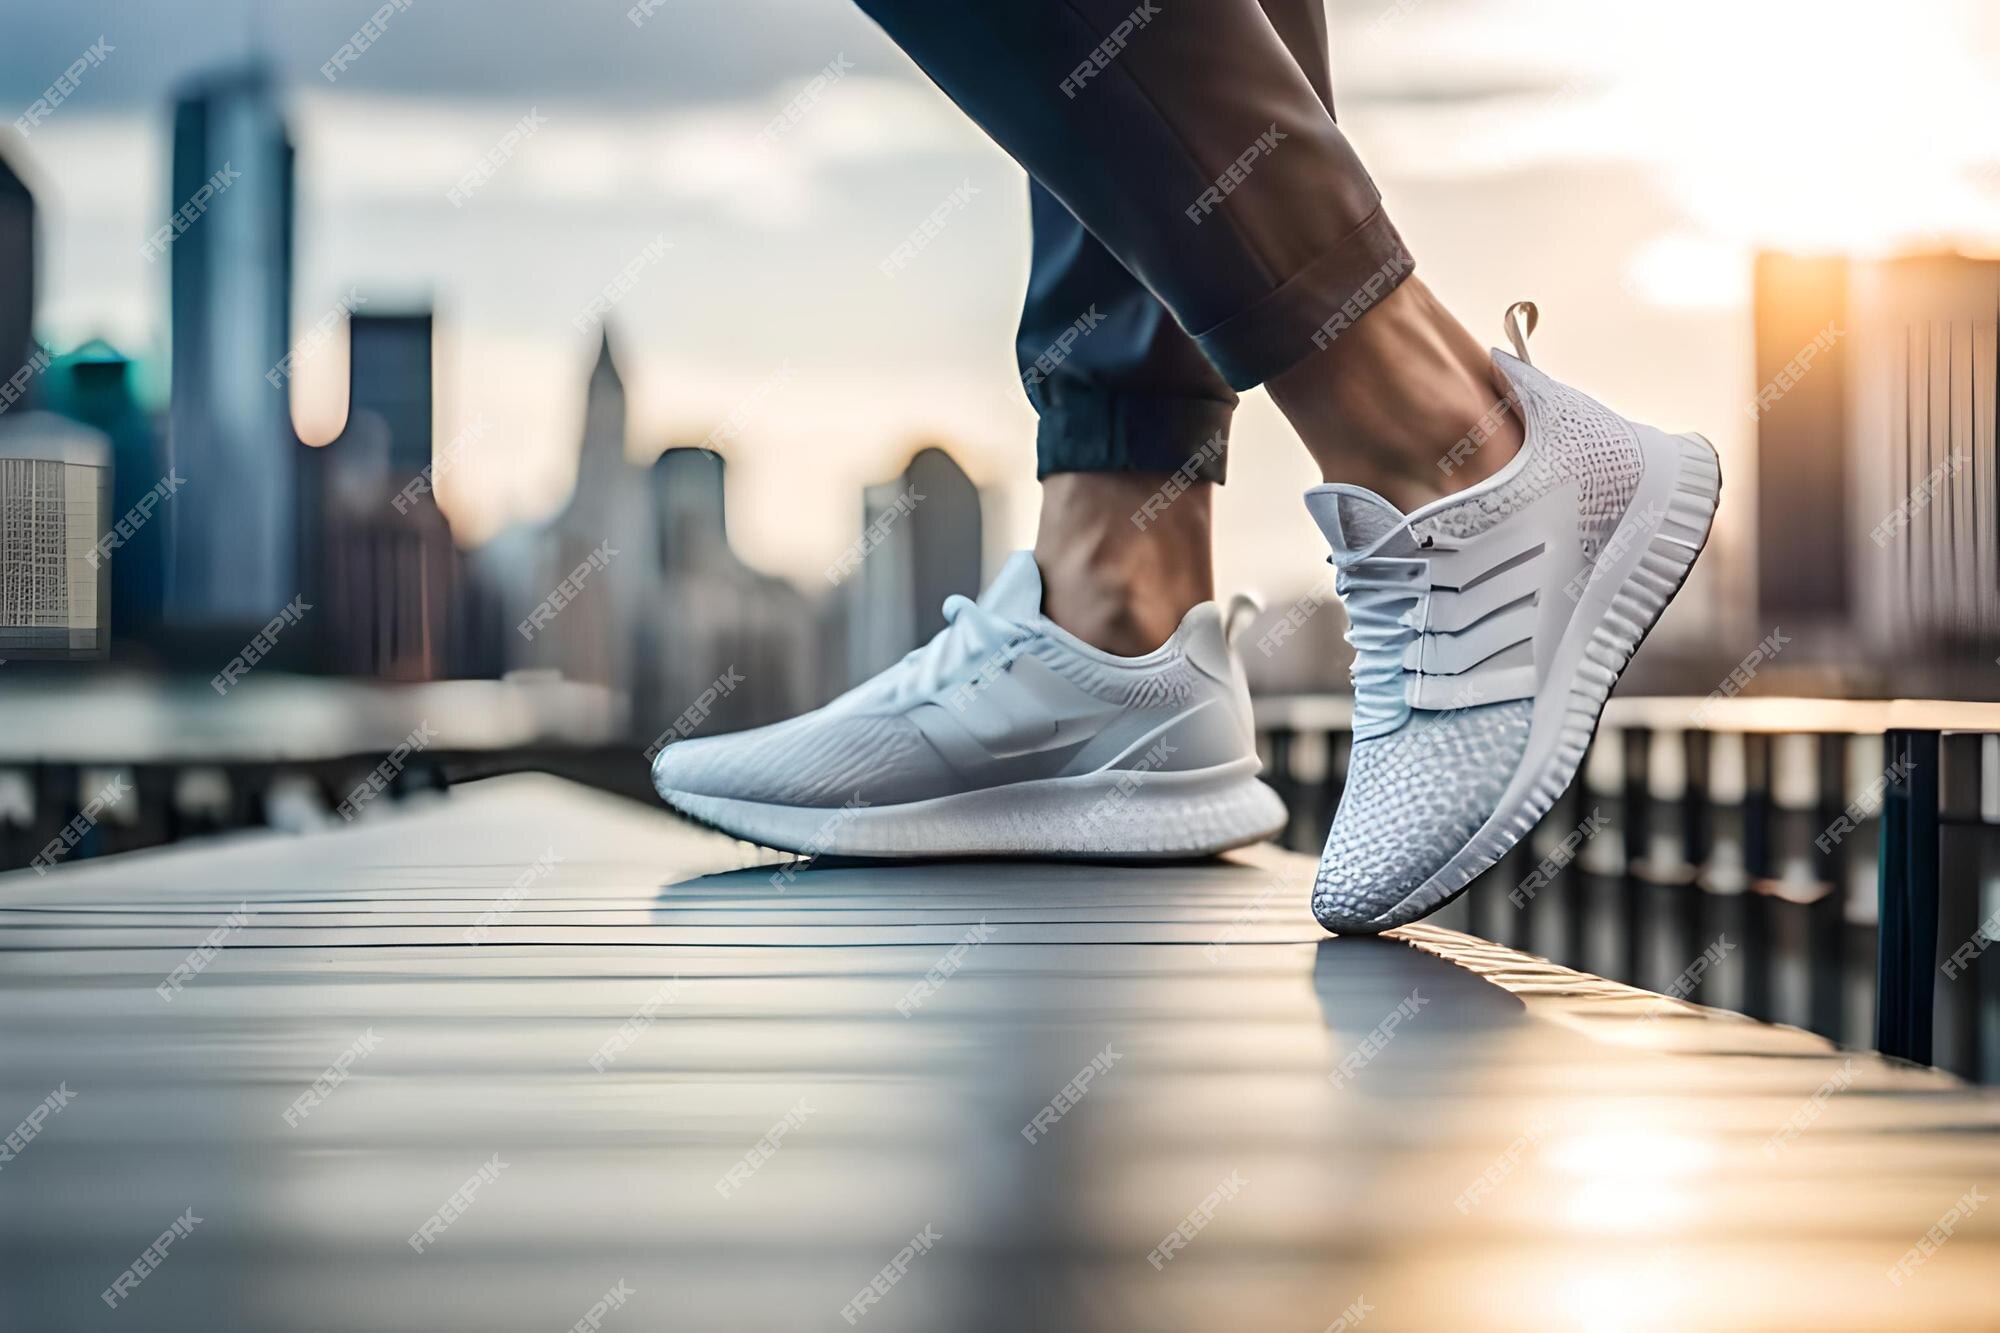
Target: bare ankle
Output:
[(1406, 402), (1120, 585)]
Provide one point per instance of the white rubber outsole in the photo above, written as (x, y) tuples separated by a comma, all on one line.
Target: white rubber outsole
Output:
[(1619, 607), (1109, 815)]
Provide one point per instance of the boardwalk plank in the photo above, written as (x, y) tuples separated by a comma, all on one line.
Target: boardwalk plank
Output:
[(1626, 1141)]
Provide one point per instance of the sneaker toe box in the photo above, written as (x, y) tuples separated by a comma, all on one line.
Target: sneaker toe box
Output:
[(1414, 799), (807, 761)]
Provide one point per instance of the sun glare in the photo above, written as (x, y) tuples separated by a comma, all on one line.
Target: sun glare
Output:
[(1826, 128)]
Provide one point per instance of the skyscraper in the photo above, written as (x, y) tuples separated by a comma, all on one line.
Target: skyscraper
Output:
[(231, 549), (55, 488), (388, 572), (920, 543), (1801, 412), (603, 472), (608, 529), (55, 478), (742, 641), (389, 375), (687, 489), (1923, 522), (17, 277), (1877, 538)]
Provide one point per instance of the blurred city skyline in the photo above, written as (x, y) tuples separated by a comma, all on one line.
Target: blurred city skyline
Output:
[(1621, 168)]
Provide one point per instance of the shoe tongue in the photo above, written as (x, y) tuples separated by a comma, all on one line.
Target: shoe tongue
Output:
[(1016, 592), (1354, 519)]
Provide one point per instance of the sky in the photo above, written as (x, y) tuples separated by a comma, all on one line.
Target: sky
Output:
[(1619, 164)]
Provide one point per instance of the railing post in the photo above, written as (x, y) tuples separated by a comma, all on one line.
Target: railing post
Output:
[(1826, 916), (1906, 950)]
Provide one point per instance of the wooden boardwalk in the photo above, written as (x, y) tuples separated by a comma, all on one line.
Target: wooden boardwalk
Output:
[(671, 1092)]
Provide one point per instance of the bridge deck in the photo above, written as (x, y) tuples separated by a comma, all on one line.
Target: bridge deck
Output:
[(1520, 1146)]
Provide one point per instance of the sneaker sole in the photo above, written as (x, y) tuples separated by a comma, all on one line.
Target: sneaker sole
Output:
[(1118, 815), (1618, 608)]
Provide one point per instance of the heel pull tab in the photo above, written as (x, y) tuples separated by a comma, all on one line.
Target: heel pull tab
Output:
[(1520, 320), (1243, 609)]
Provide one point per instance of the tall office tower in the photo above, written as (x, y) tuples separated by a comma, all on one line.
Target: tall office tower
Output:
[(55, 477), (722, 646), (17, 282), (919, 543), (1924, 463), (602, 471), (226, 229), (390, 376), (605, 538), (55, 489), (1801, 411), (388, 572), (1877, 541), (687, 486)]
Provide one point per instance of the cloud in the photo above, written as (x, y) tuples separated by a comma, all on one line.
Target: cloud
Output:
[(716, 158), (690, 52)]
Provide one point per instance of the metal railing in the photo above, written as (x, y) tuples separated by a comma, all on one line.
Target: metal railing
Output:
[(1843, 853)]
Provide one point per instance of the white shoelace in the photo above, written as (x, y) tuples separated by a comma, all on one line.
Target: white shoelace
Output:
[(972, 636), (1387, 599)]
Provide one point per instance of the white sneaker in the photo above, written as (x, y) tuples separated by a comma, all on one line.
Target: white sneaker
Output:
[(1488, 629), (1003, 736)]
